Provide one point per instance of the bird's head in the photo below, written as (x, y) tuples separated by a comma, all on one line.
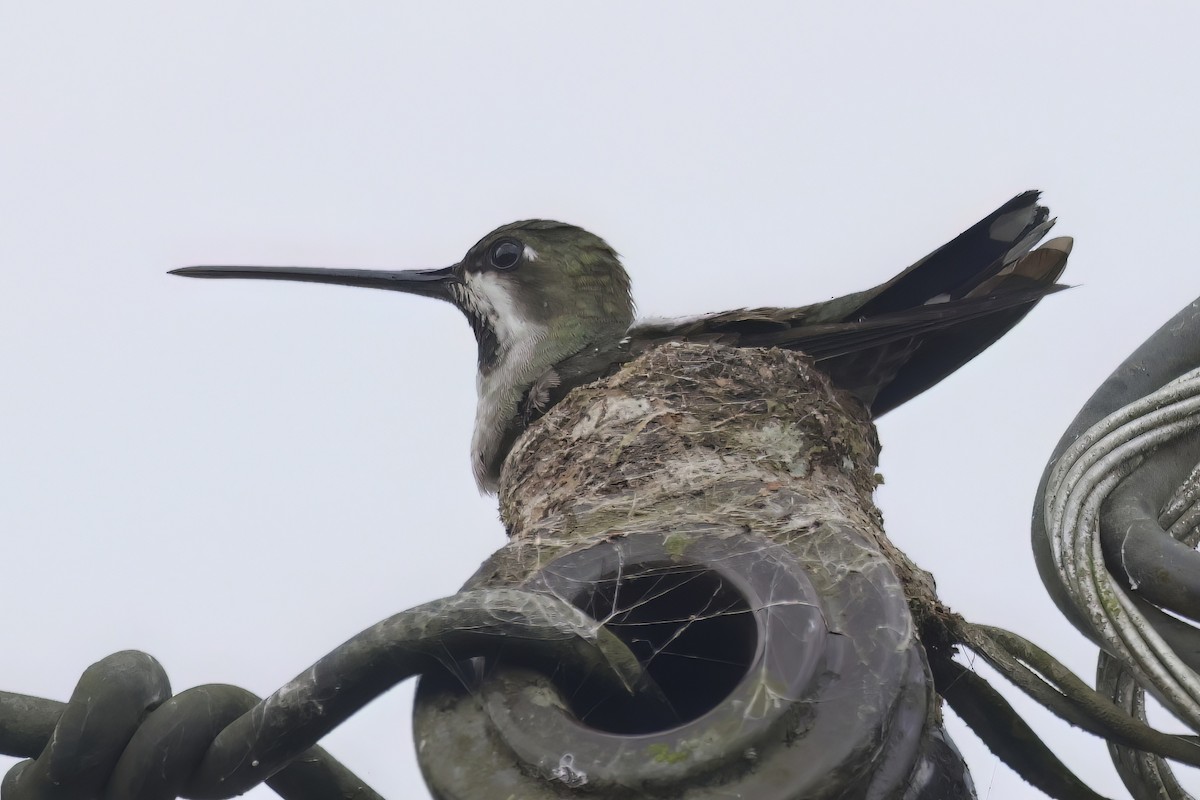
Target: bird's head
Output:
[(533, 276)]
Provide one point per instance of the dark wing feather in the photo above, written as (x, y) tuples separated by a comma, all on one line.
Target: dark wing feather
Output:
[(894, 341)]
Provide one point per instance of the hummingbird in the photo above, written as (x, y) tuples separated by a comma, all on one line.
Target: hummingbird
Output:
[(551, 308)]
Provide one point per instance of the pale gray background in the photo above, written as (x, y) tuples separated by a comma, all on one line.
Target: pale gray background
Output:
[(235, 477)]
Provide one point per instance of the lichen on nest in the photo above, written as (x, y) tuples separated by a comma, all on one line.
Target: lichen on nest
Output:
[(694, 437)]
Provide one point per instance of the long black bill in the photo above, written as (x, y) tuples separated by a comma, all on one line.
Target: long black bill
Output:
[(425, 282)]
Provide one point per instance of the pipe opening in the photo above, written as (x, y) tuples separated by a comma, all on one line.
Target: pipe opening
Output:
[(692, 630)]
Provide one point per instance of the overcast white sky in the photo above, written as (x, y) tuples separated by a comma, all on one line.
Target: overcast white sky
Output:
[(236, 477)]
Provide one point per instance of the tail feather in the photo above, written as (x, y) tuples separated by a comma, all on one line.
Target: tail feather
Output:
[(942, 352), (970, 258)]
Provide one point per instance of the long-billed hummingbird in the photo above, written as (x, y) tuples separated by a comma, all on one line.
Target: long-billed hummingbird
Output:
[(551, 308)]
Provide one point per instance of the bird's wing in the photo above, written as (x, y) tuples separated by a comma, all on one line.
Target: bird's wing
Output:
[(892, 342), (943, 351), (888, 359), (954, 270)]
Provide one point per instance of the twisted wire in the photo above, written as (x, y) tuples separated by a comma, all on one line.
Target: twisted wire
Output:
[(124, 736), (1079, 484), (1135, 654)]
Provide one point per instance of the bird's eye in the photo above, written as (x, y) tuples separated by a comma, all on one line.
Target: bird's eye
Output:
[(505, 254)]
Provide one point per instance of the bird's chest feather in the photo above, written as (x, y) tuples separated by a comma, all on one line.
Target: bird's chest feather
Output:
[(512, 356)]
